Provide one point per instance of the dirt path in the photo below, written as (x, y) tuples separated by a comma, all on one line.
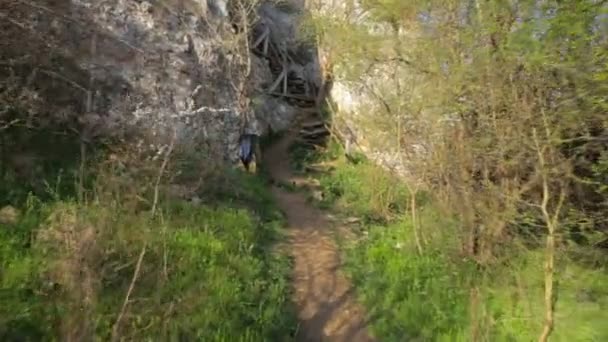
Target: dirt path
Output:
[(326, 308)]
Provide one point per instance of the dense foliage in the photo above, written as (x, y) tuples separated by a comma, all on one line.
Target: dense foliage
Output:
[(497, 109), (202, 271)]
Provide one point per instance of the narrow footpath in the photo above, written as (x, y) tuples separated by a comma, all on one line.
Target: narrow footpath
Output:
[(326, 306)]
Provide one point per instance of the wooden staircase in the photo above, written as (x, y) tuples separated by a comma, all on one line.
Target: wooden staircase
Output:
[(312, 129)]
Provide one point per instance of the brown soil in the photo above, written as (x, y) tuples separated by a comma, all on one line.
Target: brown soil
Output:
[(326, 307)]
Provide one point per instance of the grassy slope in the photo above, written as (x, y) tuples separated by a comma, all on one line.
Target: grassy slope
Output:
[(208, 273), (439, 296)]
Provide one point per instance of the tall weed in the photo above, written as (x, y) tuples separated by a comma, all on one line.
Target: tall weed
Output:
[(208, 273)]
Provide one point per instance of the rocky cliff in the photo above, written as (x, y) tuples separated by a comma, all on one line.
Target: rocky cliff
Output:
[(361, 86), (165, 68)]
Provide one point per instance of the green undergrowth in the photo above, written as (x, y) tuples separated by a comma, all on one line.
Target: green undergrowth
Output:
[(208, 271), (514, 296), (438, 294), (303, 155)]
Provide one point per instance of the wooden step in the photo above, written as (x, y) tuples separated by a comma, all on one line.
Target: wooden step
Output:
[(312, 124), (317, 132)]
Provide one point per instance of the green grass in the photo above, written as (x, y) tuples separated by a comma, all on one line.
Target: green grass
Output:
[(348, 187), (209, 272), (429, 296), (407, 296), (515, 299), (302, 155)]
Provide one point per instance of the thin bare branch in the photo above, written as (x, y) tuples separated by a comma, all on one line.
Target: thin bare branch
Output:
[(123, 310)]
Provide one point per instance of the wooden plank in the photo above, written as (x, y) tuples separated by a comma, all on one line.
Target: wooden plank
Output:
[(266, 41), (317, 132), (307, 143), (292, 96), (286, 69), (277, 81), (285, 85), (261, 38), (309, 125)]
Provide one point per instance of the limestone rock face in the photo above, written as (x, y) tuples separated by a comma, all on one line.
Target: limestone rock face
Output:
[(117, 68), (358, 115), (272, 114)]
